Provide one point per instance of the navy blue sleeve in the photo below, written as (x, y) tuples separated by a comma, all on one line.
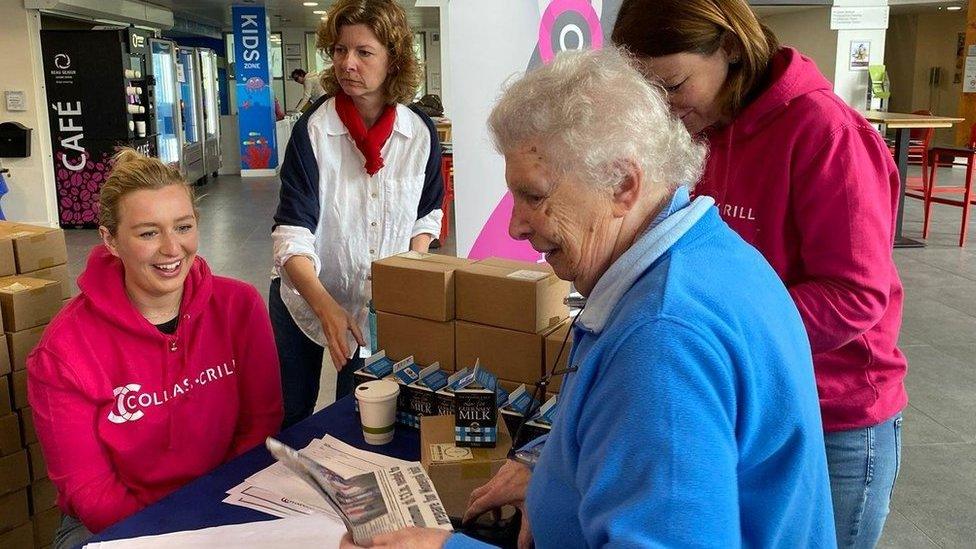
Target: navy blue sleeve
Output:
[(298, 200), (433, 193)]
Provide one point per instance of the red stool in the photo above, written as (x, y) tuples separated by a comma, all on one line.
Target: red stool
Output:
[(447, 172), (940, 156)]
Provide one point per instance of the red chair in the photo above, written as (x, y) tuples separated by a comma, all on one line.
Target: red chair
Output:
[(919, 141), (447, 172), (945, 156)]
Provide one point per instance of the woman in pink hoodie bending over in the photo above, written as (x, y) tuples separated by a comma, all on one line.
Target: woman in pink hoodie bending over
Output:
[(804, 178), (159, 370)]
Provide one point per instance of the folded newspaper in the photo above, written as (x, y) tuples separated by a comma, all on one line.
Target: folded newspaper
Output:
[(372, 503)]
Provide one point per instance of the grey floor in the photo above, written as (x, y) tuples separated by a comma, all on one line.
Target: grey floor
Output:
[(935, 500)]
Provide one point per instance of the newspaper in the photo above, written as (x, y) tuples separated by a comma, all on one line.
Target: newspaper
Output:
[(374, 502)]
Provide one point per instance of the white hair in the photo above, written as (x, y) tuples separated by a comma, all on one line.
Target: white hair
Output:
[(589, 111)]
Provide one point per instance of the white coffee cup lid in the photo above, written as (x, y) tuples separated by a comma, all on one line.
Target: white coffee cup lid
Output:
[(377, 390)]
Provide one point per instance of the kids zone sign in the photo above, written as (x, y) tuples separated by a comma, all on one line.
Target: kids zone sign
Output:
[(255, 98), (508, 38)]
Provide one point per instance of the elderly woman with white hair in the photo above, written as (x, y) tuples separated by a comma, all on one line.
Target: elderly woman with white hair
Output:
[(691, 416)]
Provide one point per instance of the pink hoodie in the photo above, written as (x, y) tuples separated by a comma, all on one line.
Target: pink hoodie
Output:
[(126, 414), (805, 179)]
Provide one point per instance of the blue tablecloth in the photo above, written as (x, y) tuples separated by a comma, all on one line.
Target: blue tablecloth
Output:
[(198, 504)]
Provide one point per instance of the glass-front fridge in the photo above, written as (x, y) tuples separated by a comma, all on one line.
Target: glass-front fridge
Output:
[(166, 102), (191, 107), (211, 111)]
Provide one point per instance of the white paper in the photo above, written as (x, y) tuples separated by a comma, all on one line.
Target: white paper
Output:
[(309, 531)]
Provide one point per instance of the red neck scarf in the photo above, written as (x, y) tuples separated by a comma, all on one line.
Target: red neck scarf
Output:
[(369, 141)]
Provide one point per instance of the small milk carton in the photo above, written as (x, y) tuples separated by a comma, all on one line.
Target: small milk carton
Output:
[(377, 366), (476, 409), (423, 392), (541, 422), (516, 407), (445, 395), (405, 373)]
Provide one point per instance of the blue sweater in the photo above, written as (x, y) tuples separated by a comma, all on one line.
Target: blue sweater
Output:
[(693, 419)]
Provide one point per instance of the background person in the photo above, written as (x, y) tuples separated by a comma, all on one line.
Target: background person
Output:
[(158, 371), (312, 85), (663, 436), (361, 181), (805, 179)]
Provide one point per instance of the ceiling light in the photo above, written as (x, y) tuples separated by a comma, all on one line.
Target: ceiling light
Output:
[(310, 3), (320, 12), (953, 8)]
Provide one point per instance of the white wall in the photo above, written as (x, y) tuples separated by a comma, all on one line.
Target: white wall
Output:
[(31, 198), (852, 86), (808, 30)]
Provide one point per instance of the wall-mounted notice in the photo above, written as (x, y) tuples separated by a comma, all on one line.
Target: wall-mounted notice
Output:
[(858, 18), (969, 79)]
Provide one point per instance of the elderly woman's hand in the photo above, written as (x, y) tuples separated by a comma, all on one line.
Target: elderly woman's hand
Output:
[(408, 538), (507, 487)]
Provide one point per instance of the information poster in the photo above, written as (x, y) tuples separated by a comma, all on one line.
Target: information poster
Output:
[(255, 98)]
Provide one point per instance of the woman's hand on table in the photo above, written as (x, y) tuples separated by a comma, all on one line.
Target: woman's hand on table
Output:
[(507, 487), (336, 321), (408, 538)]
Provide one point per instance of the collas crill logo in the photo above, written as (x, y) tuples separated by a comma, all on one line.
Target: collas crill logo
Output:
[(62, 61), (126, 404)]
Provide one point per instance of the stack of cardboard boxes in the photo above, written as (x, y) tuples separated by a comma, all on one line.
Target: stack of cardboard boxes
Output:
[(34, 283)]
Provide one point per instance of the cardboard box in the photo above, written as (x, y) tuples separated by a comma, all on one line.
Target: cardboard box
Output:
[(515, 356), (45, 526), (428, 341), (27, 302), (42, 495), (510, 294), (58, 273), (416, 284), (20, 537), (8, 263), (27, 433), (13, 510), (10, 441), (14, 472), (554, 341), (5, 405), (455, 480), (36, 247), (5, 365), (18, 389), (38, 466), (21, 343)]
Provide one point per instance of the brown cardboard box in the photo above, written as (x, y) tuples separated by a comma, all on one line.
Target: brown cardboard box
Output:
[(8, 264), (510, 294), (14, 473), (27, 302), (511, 355), (27, 433), (10, 441), (455, 480), (21, 344), (18, 389), (37, 465), (45, 526), (554, 341), (5, 365), (21, 537), (415, 284), (43, 495), (5, 404), (13, 510), (427, 341), (36, 247), (57, 273)]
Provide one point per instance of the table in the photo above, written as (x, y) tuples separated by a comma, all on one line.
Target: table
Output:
[(198, 504), (904, 123)]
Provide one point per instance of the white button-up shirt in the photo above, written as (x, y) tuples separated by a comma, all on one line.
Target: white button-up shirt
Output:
[(359, 218)]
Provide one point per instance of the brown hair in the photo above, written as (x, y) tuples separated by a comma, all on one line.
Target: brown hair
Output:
[(388, 22), (655, 28), (133, 171)]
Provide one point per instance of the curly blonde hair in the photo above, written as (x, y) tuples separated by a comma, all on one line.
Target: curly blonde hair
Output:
[(133, 171), (388, 22)]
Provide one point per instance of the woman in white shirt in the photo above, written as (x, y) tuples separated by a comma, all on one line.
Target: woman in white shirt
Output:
[(360, 181)]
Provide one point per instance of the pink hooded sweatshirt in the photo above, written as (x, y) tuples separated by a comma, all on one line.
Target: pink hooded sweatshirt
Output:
[(126, 414), (804, 178)]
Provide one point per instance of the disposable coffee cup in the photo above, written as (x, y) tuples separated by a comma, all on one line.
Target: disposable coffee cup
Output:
[(141, 128), (377, 409)]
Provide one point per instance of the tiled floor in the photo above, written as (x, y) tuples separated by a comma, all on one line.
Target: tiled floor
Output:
[(935, 500)]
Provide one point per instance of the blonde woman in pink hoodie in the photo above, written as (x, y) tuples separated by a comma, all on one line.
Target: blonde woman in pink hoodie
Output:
[(159, 371)]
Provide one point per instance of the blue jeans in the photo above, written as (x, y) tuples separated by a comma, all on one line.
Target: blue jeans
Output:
[(863, 466), (72, 533), (301, 363)]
